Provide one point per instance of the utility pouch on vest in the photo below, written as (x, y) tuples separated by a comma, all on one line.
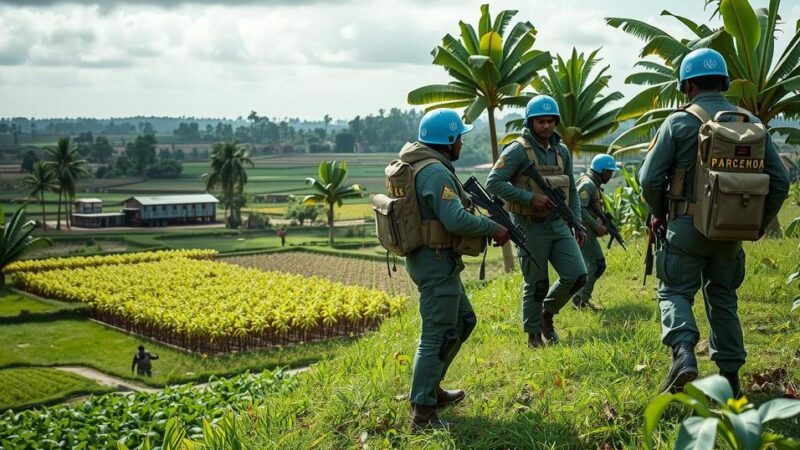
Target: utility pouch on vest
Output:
[(553, 175), (730, 184), (676, 191), (469, 245), (397, 218)]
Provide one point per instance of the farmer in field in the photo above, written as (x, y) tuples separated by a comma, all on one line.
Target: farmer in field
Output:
[(435, 267), (282, 235), (549, 237), (707, 198), (141, 362), (590, 190)]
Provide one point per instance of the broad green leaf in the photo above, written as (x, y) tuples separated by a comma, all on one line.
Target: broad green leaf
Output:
[(697, 434), (715, 387), (485, 22), (492, 46), (475, 110), (438, 93), (741, 23), (742, 92), (478, 61), (652, 415), (508, 138), (469, 38), (746, 428), (781, 408)]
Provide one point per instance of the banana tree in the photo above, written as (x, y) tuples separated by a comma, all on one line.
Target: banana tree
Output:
[(490, 68), (766, 86), (330, 190), (16, 240), (585, 113)]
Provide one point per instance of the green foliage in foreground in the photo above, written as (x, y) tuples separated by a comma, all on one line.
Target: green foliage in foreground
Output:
[(589, 390), (130, 420), (735, 421)]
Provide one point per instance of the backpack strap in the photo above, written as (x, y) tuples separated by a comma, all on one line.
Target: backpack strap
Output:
[(697, 111), (532, 154)]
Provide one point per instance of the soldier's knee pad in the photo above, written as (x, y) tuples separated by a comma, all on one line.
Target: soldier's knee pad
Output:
[(540, 291), (601, 268), (449, 341), (469, 322), (580, 282)]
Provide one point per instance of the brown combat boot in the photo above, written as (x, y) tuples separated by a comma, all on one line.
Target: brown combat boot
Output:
[(548, 329), (446, 397), (424, 417), (535, 340)]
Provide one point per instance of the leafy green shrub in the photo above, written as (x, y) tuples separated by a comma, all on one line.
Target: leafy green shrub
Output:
[(736, 421), (143, 419), (627, 206), (221, 435), (794, 193)]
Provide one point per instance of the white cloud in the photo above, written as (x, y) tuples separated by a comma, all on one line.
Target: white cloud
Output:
[(284, 58)]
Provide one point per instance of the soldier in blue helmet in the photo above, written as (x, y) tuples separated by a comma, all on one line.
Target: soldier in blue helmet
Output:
[(698, 253), (549, 237), (435, 267), (590, 190)]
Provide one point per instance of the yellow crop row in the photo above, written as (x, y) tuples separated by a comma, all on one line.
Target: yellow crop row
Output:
[(211, 306), (75, 262)]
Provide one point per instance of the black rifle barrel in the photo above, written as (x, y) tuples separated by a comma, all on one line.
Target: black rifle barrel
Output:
[(556, 196)]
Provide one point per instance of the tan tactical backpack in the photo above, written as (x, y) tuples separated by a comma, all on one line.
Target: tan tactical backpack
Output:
[(399, 225), (730, 184)]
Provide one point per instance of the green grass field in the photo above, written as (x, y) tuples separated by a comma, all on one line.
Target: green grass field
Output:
[(25, 387), (12, 303), (587, 391)]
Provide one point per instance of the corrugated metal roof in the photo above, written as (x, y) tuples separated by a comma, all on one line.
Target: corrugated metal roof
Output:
[(88, 200), (90, 215), (174, 199)]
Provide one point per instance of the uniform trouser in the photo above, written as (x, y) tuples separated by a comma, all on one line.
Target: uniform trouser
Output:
[(686, 265), (595, 263), (447, 321), (552, 242)]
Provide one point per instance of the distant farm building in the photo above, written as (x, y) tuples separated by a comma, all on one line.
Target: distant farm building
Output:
[(148, 211), (88, 213), (272, 198)]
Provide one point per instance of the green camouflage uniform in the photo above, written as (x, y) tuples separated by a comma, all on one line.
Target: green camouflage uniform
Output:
[(549, 239), (589, 190), (689, 261), (447, 315)]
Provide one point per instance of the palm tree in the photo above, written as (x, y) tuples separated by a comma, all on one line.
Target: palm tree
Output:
[(16, 240), (228, 171), (490, 68), (330, 190), (585, 113), (41, 179), (68, 168), (767, 88)]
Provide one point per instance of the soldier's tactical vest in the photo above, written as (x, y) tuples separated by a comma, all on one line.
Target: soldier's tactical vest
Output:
[(554, 175), (400, 226), (730, 186), (598, 193)]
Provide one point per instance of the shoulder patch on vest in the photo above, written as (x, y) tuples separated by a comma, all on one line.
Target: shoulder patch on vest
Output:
[(500, 163), (448, 194), (584, 194)]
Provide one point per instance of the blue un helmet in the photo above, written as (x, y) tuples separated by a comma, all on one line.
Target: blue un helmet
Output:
[(703, 62), (603, 162), (542, 105), (441, 126)]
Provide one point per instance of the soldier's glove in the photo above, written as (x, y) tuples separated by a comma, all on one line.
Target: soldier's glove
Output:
[(658, 225)]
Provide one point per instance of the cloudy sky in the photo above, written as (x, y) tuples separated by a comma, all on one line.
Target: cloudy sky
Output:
[(282, 58)]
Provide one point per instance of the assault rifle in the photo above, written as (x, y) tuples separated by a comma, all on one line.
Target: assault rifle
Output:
[(494, 207), (608, 222), (654, 242), (556, 196)]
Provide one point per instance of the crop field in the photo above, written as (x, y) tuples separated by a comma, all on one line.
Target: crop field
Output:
[(107, 420), (211, 307), (350, 271), (31, 386), (79, 262)]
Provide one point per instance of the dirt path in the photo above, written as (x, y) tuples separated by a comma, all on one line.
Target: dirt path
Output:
[(122, 385), (106, 379)]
